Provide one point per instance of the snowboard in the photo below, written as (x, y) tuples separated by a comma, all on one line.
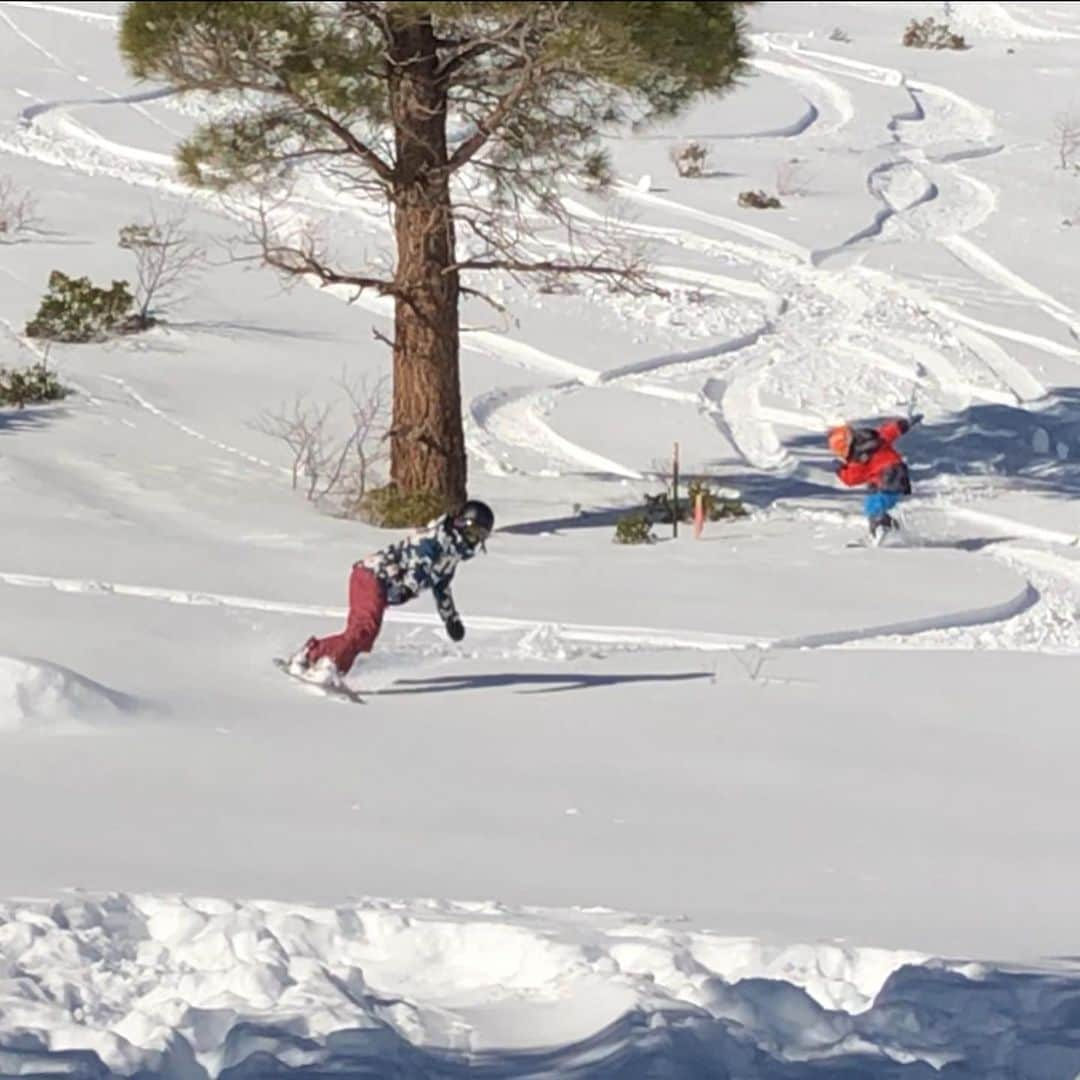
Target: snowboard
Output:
[(895, 538), (341, 692)]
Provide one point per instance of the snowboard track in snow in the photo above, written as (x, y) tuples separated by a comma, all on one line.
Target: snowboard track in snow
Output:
[(1025, 597), (739, 412)]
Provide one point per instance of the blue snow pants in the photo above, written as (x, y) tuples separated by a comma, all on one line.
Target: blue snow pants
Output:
[(879, 503)]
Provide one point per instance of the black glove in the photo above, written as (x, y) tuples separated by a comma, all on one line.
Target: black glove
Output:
[(455, 629)]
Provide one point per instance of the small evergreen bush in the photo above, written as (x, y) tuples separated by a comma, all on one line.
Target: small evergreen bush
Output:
[(717, 507), (659, 509), (928, 33), (596, 171), (76, 310), (390, 508), (634, 529), (30, 386)]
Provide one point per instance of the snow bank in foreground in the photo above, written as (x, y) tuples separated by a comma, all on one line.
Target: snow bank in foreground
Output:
[(171, 986), (39, 696)]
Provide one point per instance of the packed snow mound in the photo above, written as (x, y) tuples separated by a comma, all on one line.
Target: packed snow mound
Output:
[(39, 696)]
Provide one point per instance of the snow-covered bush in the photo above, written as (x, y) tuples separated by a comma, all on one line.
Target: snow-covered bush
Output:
[(690, 158), (76, 310), (841, 36), (634, 529), (391, 508), (758, 200), (928, 33), (33, 385)]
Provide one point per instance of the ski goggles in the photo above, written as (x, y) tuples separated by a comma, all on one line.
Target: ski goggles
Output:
[(475, 534)]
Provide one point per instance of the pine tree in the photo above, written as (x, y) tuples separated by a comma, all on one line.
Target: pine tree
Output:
[(370, 92)]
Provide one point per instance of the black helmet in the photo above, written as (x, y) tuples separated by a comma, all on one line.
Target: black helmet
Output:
[(474, 520)]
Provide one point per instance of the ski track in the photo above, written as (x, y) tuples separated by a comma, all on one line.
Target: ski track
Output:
[(822, 95), (965, 121), (517, 418), (579, 633), (99, 17), (134, 101), (154, 410)]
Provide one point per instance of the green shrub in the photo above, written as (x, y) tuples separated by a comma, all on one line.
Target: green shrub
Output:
[(390, 508), (634, 529), (76, 310), (717, 507), (758, 200), (928, 33), (659, 509), (30, 386), (596, 171)]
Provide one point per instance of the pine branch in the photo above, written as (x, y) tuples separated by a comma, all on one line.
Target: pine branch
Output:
[(381, 169)]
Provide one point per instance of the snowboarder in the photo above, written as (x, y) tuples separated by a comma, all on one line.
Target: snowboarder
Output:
[(868, 456), (395, 575)]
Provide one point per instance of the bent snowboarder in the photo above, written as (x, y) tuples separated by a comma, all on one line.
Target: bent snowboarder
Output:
[(395, 575), (868, 456)]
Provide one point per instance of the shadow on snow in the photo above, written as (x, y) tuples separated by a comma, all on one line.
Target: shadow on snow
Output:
[(926, 1024), (1035, 448), (543, 683)]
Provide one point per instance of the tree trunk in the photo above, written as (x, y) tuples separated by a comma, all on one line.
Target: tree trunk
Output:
[(427, 447)]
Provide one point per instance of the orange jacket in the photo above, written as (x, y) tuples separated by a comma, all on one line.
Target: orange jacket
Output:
[(873, 459)]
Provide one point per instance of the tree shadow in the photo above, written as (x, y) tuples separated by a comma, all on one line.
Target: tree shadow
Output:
[(31, 418), (599, 518), (1038, 447), (233, 329), (544, 683)]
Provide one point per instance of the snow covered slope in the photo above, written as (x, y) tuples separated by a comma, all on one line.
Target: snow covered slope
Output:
[(810, 770)]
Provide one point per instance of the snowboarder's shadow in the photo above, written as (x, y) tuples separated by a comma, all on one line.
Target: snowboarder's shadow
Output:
[(968, 543), (945, 543), (541, 683)]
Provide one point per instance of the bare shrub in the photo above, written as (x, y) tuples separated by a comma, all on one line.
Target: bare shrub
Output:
[(18, 210), (792, 178), (841, 36), (166, 258), (690, 158), (1067, 138), (928, 33), (329, 465)]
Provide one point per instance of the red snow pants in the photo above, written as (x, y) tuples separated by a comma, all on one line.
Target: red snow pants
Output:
[(366, 607)]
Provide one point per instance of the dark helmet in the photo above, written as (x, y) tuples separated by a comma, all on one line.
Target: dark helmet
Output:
[(474, 520)]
